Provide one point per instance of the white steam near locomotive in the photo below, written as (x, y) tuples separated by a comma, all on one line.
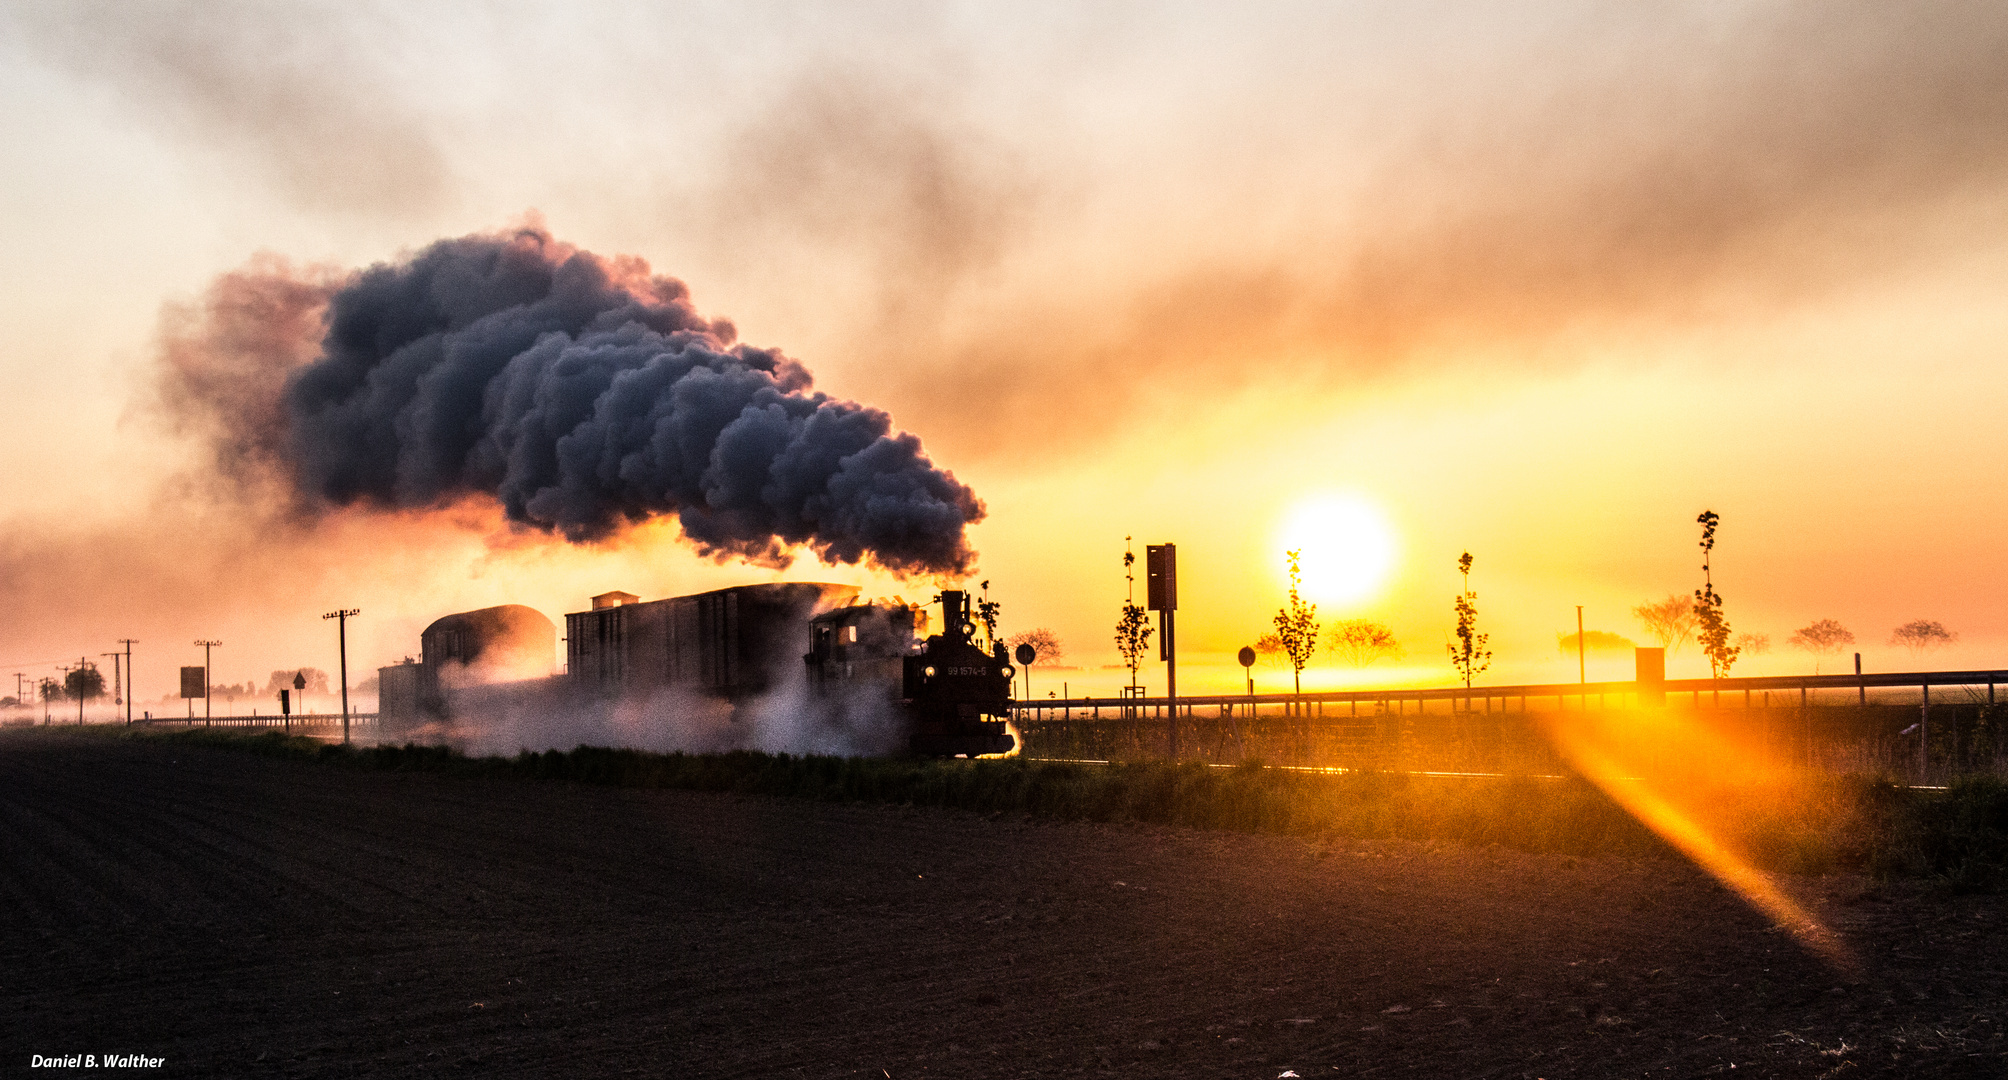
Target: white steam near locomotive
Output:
[(716, 671)]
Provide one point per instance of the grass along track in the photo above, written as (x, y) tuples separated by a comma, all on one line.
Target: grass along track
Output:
[(1958, 835)]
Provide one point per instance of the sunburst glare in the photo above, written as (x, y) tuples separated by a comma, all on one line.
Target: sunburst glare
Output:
[(1348, 547)]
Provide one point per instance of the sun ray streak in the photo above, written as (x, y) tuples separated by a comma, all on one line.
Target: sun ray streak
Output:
[(1634, 760)]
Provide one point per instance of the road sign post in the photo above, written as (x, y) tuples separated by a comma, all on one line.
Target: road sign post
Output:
[(194, 684), (1025, 654)]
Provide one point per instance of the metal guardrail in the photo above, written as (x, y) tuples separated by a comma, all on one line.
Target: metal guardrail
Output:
[(1483, 697), (296, 720)]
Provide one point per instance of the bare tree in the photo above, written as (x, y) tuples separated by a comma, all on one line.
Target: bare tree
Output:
[(1360, 642), (1921, 636), (1669, 621), (1297, 626), (1269, 649), (1753, 644), (1821, 638), (1044, 642), (317, 681)]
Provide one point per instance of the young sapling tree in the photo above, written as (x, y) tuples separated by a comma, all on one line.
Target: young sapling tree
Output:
[(1711, 628), (987, 611), (1469, 656), (1297, 626), (1133, 630)]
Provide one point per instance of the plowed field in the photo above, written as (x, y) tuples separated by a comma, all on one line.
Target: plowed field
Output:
[(242, 916)]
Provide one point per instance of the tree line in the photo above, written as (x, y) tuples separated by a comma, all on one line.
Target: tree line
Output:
[(1699, 617), (1296, 636)]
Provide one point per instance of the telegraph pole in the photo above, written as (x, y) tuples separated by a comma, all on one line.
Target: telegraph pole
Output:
[(127, 642), (342, 615), (82, 665), (118, 686), (207, 681)]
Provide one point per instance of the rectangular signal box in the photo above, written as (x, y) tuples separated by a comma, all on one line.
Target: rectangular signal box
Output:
[(1161, 576)]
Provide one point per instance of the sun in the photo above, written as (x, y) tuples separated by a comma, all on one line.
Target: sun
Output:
[(1348, 547)]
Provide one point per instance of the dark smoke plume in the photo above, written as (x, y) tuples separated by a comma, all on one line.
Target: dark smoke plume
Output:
[(585, 394)]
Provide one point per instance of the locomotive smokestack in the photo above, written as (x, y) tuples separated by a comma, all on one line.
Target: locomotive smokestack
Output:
[(585, 394), (955, 614)]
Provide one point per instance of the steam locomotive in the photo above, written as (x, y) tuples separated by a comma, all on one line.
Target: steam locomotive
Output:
[(955, 695), (736, 645)]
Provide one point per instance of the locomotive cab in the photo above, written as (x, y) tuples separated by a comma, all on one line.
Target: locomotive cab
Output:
[(958, 695), (861, 646)]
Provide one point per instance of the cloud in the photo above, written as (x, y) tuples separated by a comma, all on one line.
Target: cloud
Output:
[(1611, 176), (1053, 219), (869, 193), (306, 98)]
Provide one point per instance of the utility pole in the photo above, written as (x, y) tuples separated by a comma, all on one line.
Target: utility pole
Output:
[(207, 680), (118, 686), (1582, 667), (82, 664), (127, 642), (343, 614), (19, 678)]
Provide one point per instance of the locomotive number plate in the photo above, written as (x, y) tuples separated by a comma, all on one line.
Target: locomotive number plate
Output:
[(966, 671)]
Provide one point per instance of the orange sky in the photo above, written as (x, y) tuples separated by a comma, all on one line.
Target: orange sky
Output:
[(1540, 284)]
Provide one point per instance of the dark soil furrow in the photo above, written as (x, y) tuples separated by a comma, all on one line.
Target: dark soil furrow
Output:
[(257, 916)]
